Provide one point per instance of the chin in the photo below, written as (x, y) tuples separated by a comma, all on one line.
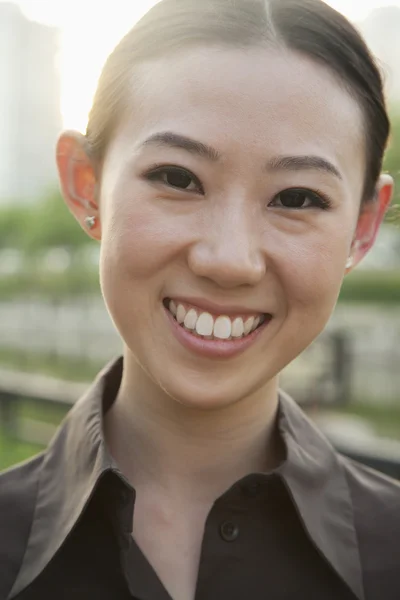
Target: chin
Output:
[(192, 392)]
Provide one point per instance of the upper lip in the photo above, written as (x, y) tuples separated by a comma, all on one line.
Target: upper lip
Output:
[(215, 308)]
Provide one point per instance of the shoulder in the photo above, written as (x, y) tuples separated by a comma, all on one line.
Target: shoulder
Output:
[(376, 512), (373, 491), (18, 490)]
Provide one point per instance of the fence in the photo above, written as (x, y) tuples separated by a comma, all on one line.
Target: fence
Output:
[(367, 369), (18, 388)]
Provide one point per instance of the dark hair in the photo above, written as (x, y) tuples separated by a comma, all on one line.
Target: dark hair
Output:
[(307, 26)]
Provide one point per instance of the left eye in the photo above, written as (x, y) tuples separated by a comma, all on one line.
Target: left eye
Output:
[(175, 177), (299, 199)]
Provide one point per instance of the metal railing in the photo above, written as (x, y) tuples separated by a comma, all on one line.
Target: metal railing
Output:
[(19, 388)]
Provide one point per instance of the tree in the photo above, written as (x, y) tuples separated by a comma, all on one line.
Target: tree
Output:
[(54, 226), (38, 227), (14, 223)]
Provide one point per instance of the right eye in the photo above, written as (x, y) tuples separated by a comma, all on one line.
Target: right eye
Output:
[(177, 178)]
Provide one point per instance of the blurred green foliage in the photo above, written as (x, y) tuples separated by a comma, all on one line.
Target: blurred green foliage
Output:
[(361, 287), (12, 451), (371, 287), (35, 229), (74, 281), (65, 368), (46, 224)]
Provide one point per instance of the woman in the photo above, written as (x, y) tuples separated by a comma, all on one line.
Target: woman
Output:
[(231, 171)]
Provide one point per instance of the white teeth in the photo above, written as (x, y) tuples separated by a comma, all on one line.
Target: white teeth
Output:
[(237, 327), (190, 319), (222, 328), (173, 308), (205, 324), (256, 323), (180, 314), (248, 325)]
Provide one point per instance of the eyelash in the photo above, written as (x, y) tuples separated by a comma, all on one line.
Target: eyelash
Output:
[(318, 199), (156, 172)]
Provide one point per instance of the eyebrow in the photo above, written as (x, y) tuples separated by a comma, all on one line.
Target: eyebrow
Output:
[(279, 163), (303, 163), (174, 140)]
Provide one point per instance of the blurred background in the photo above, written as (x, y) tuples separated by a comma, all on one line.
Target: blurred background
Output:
[(55, 333)]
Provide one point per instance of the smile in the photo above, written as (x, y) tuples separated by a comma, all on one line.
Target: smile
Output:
[(204, 324), (211, 334)]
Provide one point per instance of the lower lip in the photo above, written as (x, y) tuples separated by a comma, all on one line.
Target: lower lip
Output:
[(214, 348)]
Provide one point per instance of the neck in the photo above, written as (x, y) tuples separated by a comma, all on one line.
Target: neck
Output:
[(191, 453)]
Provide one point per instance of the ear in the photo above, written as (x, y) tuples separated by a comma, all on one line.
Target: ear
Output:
[(370, 219), (78, 180)]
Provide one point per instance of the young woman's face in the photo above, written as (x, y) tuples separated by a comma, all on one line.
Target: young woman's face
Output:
[(233, 185)]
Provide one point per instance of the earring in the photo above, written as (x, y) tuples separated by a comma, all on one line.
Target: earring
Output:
[(349, 262), (90, 222)]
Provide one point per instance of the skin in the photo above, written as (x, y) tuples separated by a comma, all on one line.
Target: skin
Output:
[(195, 425)]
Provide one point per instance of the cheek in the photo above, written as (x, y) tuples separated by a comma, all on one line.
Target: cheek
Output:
[(140, 236), (313, 269)]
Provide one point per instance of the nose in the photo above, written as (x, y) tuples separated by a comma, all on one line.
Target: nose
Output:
[(227, 250)]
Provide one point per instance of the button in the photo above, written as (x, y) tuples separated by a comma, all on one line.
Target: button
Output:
[(229, 531)]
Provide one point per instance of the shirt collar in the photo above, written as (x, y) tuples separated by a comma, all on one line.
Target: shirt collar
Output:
[(316, 481), (77, 459)]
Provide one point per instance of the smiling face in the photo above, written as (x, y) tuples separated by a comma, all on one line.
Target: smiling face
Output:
[(232, 187)]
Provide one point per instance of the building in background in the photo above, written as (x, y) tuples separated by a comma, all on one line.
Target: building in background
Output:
[(30, 117)]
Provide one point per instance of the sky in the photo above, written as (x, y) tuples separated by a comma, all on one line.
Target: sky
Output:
[(89, 30)]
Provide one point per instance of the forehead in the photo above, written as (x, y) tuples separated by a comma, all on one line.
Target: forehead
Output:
[(254, 100)]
